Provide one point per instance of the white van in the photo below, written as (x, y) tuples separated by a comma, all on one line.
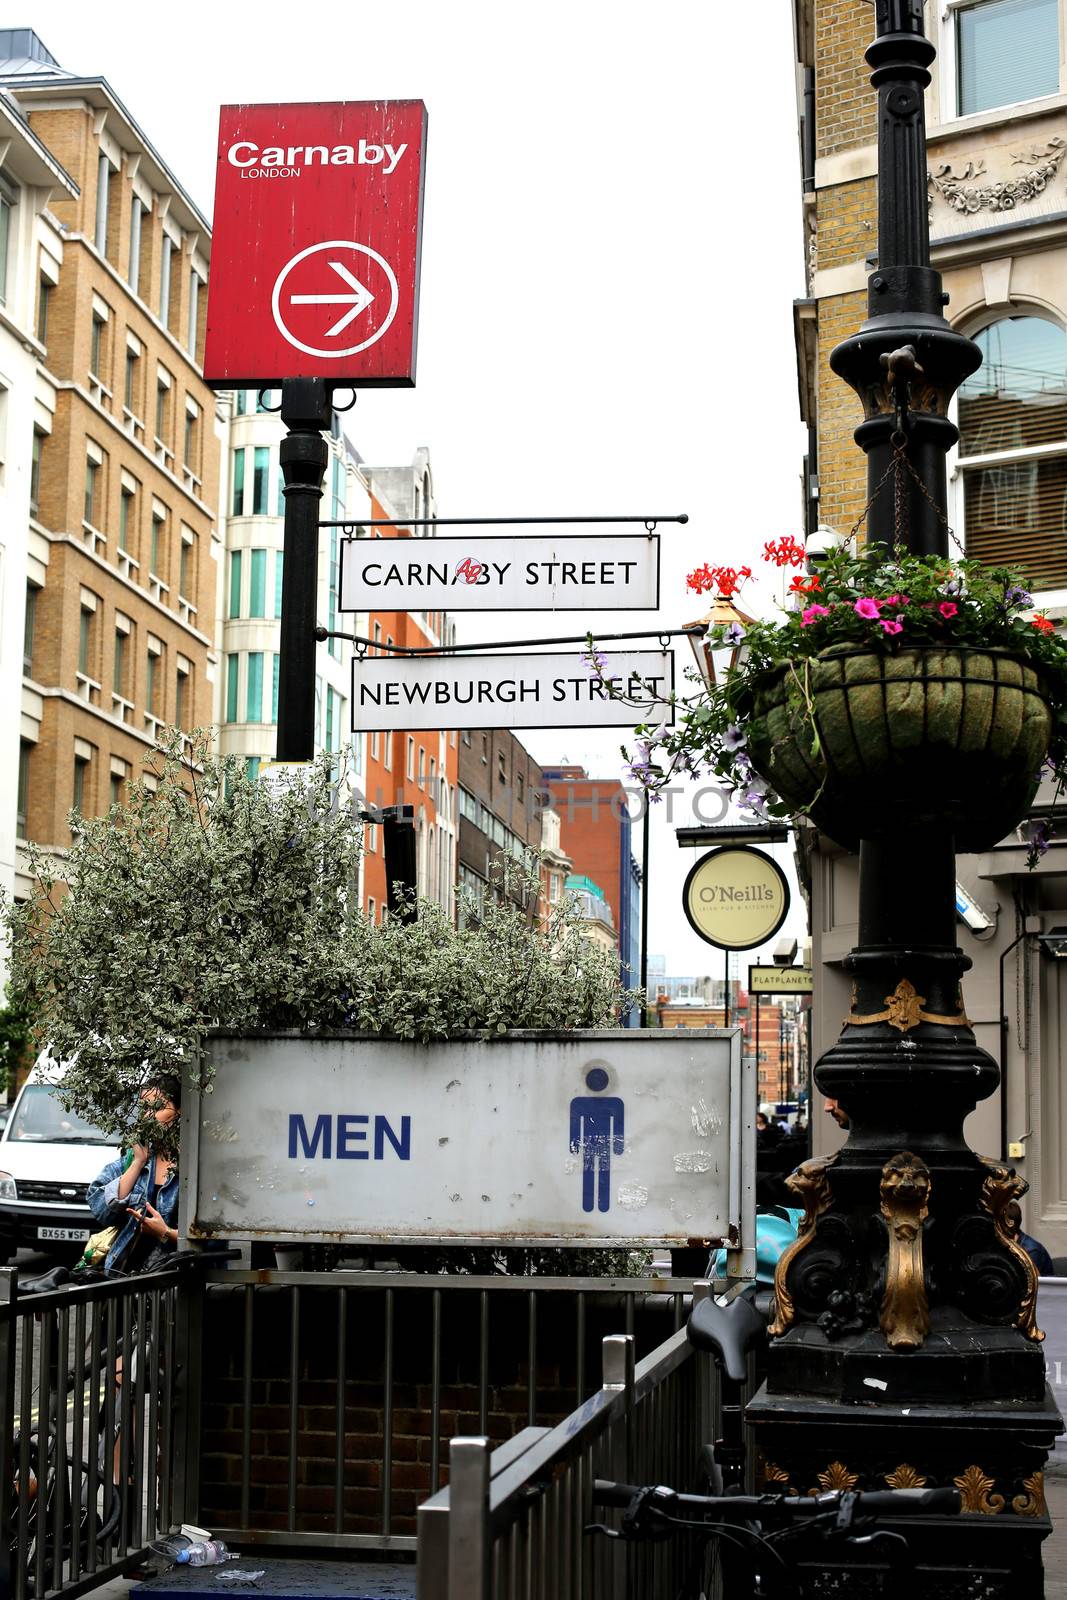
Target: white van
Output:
[(48, 1158)]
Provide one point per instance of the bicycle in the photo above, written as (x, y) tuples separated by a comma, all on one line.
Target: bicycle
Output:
[(751, 1544)]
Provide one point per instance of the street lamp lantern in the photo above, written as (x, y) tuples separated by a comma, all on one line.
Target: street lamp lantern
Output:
[(1054, 943), (717, 655)]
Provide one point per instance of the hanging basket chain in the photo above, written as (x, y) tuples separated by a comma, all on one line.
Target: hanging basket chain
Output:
[(896, 468)]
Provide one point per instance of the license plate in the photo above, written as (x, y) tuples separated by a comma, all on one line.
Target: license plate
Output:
[(73, 1235)]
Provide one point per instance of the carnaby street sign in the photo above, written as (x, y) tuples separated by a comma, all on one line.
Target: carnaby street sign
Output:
[(606, 572), (506, 691), (315, 248), (597, 1138)]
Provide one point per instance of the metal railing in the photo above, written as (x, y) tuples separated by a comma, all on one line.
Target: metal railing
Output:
[(88, 1377), (329, 1398), (510, 1525)]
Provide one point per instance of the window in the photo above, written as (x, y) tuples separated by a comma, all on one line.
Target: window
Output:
[(29, 628), (190, 452), (81, 769), (1006, 51), (96, 340), (267, 400), (162, 410), (279, 564), (187, 564), (410, 769), (122, 640), (129, 393), (134, 270), (254, 687), (103, 181), (252, 768), (280, 509), (330, 697), (7, 206), (387, 751), (260, 470), (237, 503), (44, 295), (485, 749), (374, 747), (257, 584), (25, 752), (127, 515), (370, 909), (422, 767), (232, 666), (235, 583), (274, 690), (182, 692), (35, 472), (117, 781), (240, 405), (153, 678), (520, 788), (194, 311), (1013, 449), (501, 767), (92, 475), (157, 558), (164, 278)]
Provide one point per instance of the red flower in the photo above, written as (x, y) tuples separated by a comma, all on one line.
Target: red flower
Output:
[(801, 585), (785, 553), (1042, 623), (725, 580)]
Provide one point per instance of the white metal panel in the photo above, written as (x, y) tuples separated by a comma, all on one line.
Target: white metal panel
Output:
[(596, 1138)]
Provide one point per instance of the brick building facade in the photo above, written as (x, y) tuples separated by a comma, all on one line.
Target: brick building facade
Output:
[(122, 539), (500, 803)]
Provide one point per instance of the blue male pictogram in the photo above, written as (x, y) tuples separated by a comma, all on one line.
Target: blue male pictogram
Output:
[(597, 1133)]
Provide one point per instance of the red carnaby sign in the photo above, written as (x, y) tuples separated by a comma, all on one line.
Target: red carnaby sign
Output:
[(316, 241)]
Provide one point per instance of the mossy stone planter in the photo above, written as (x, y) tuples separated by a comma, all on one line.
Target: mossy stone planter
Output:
[(915, 737)]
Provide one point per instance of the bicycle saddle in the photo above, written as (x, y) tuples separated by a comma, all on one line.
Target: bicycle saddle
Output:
[(728, 1331)]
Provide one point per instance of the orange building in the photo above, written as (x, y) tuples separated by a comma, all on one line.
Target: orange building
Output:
[(420, 769)]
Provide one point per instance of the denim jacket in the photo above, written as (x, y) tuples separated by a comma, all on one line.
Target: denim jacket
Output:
[(110, 1211)]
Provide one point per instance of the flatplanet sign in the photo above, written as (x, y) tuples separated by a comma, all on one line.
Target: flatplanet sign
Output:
[(736, 898)]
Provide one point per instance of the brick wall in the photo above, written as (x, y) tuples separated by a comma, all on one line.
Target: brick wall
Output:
[(847, 223), (558, 1390), (845, 103), (842, 465)]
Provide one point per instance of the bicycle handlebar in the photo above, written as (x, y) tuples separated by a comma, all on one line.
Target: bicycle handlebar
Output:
[(873, 1503)]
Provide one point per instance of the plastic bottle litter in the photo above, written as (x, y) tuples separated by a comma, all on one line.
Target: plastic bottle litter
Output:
[(205, 1553), (171, 1546)]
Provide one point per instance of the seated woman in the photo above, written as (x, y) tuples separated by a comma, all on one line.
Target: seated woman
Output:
[(138, 1191)]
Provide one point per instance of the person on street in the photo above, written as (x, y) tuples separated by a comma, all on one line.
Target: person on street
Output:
[(138, 1191), (1013, 1221)]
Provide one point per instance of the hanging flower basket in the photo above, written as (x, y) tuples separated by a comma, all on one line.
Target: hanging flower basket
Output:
[(866, 742)]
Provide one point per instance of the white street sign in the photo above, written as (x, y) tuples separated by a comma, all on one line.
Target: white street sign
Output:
[(606, 1137), (491, 572), (508, 691)]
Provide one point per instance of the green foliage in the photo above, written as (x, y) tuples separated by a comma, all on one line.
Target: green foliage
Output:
[(15, 1037), (215, 901)]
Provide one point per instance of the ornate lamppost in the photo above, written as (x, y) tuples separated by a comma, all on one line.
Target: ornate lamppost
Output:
[(904, 1347)]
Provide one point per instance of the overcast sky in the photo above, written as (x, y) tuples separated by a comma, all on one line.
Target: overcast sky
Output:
[(612, 246)]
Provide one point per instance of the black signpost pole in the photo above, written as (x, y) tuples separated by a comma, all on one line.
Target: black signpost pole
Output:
[(306, 409)]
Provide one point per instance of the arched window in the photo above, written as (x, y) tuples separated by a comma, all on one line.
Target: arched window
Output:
[(1013, 450)]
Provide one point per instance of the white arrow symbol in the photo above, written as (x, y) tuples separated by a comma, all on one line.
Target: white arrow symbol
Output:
[(356, 302)]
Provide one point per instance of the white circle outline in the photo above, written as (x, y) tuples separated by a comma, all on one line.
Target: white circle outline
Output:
[(313, 249)]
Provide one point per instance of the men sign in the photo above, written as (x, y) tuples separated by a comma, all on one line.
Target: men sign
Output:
[(507, 691), (595, 1138), (315, 252), (616, 572)]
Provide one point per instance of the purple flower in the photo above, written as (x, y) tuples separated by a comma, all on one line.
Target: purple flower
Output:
[(733, 739), (733, 634), (594, 659), (1014, 596), (1039, 840)]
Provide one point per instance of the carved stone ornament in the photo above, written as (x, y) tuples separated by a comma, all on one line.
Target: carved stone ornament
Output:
[(905, 1192), (974, 1489), (904, 1011), (809, 1182), (1001, 1187), (1032, 1503), (905, 1477), (965, 193)]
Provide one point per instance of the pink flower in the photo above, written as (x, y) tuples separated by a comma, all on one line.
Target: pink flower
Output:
[(867, 608), (892, 626), (897, 600), (812, 614), (948, 608)]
